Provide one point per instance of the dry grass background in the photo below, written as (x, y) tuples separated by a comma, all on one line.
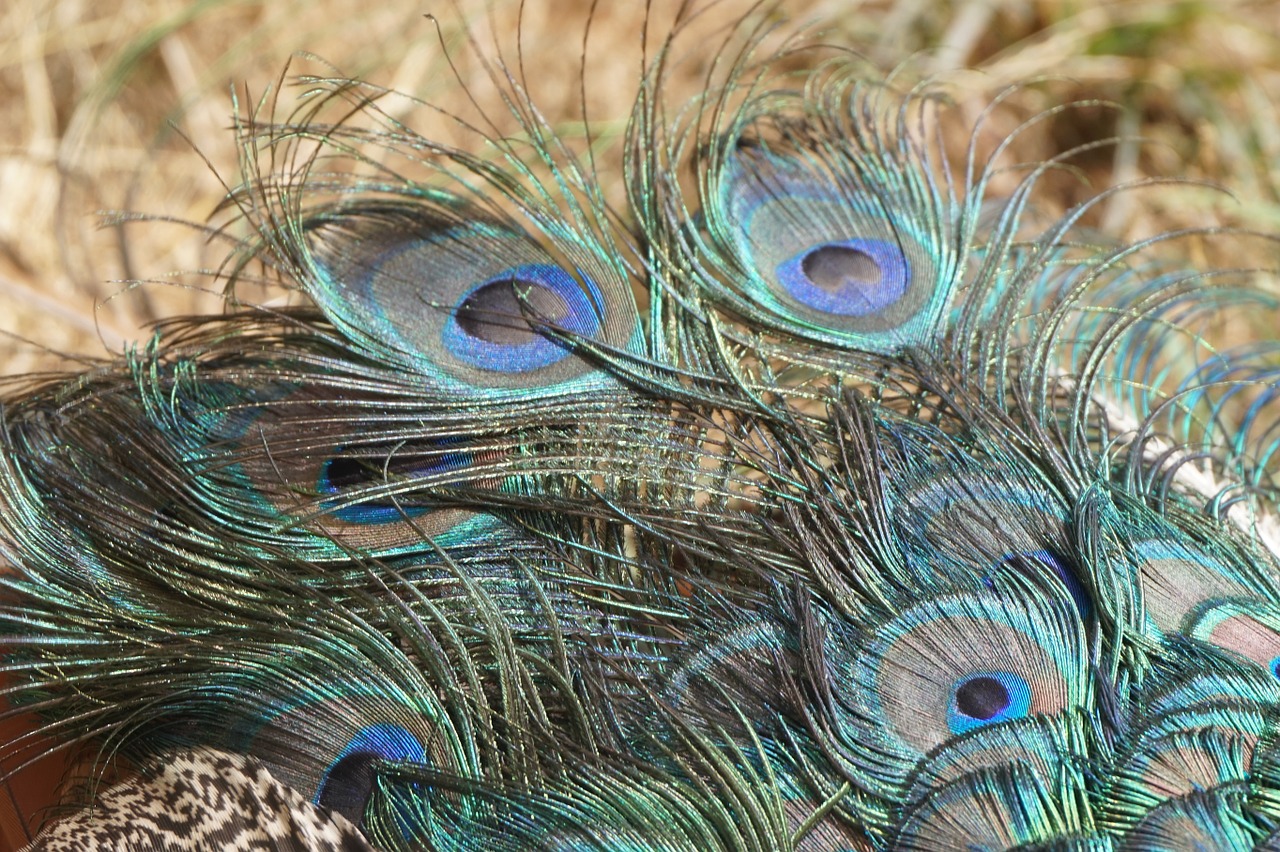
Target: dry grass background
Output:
[(101, 104)]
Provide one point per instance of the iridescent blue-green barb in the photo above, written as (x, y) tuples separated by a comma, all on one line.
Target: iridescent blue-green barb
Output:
[(816, 500)]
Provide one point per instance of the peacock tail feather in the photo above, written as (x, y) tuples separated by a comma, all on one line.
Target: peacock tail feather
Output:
[(817, 496)]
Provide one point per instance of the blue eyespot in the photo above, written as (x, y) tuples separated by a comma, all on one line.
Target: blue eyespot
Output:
[(490, 327), (1275, 667), (349, 780), (987, 698), (340, 474), (851, 278), (1060, 568)]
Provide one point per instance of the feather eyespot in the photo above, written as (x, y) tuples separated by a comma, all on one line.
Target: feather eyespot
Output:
[(847, 278), (321, 486), (1178, 580), (822, 250), (492, 328), (335, 749), (958, 663), (1244, 628), (1035, 561), (342, 474), (350, 488), (470, 305), (349, 780), (987, 698)]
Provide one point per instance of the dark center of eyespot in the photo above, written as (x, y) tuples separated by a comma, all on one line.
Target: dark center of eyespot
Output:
[(982, 698), (346, 474), (348, 785), (343, 472), (833, 267), (1275, 667), (498, 311)]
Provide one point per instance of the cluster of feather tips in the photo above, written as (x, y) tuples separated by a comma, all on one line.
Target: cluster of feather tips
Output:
[(810, 504)]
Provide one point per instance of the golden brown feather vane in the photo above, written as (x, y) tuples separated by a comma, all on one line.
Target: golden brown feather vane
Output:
[(805, 494)]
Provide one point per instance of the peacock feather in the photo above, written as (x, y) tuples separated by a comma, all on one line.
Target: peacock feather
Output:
[(813, 493)]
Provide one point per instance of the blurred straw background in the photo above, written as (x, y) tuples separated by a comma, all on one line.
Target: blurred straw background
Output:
[(117, 106)]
